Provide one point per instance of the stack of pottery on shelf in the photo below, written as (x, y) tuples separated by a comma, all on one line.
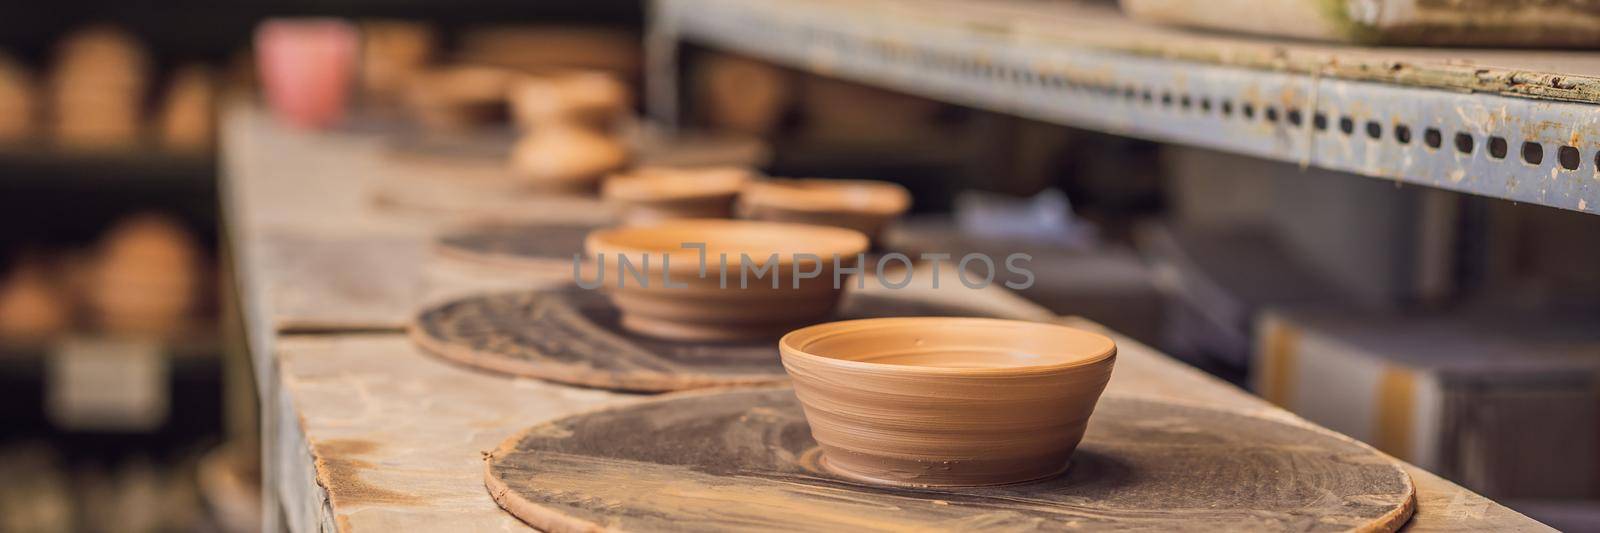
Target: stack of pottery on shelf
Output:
[(144, 278), (393, 52), (571, 124), (18, 101), (98, 88), (34, 307), (188, 114), (458, 98)]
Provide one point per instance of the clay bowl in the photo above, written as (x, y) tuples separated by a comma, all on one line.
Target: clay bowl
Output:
[(862, 205), (567, 158), (946, 402), (591, 98), (652, 194), (702, 308), (460, 98)]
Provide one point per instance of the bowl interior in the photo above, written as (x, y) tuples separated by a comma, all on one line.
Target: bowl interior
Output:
[(833, 195), (946, 344), (759, 240)]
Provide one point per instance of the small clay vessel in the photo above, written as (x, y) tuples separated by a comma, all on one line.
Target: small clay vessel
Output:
[(460, 98), (392, 52), (145, 279), (705, 306), (19, 101), (188, 114), (743, 95), (568, 157), (592, 98), (862, 205), (947, 402), (651, 194)]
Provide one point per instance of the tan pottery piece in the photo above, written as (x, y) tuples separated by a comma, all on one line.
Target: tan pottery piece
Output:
[(743, 95), (651, 194), (145, 280), (863, 205), (19, 101), (98, 88), (188, 115), (705, 307), (947, 401), (459, 98), (567, 157), (392, 52), (592, 98), (33, 306)]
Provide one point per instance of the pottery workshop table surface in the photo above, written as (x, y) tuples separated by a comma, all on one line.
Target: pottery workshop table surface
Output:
[(363, 431)]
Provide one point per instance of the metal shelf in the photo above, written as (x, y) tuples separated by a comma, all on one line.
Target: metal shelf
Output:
[(1426, 117)]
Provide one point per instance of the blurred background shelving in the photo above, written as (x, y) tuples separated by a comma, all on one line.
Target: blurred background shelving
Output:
[(1505, 124)]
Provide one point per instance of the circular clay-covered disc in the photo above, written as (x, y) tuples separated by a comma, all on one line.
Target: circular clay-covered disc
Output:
[(745, 460), (574, 336)]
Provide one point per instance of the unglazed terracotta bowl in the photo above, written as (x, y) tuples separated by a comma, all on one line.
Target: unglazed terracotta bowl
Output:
[(651, 194), (947, 402), (704, 307), (592, 98), (567, 157), (459, 98), (862, 205)]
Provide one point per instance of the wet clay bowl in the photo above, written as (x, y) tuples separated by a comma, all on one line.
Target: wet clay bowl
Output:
[(862, 205), (652, 194), (698, 307), (947, 402)]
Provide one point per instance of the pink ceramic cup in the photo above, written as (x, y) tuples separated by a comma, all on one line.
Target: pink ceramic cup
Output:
[(306, 66)]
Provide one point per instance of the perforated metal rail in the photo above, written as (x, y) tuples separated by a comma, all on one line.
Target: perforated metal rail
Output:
[(1521, 149)]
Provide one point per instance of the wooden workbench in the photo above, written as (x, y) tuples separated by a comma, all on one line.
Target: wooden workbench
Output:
[(362, 431)]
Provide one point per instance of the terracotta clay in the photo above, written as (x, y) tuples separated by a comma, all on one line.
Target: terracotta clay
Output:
[(19, 103), (862, 205), (98, 88), (33, 306), (392, 52), (145, 278), (564, 156), (650, 194), (188, 114), (743, 95), (591, 98), (947, 401), (706, 307), (459, 98)]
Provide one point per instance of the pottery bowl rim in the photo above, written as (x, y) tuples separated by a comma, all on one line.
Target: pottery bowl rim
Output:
[(660, 184), (666, 236), (795, 345), (823, 195)]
